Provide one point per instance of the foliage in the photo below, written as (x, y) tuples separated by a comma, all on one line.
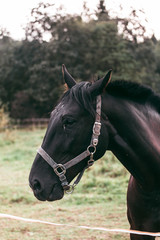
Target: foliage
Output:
[(4, 119), (88, 44)]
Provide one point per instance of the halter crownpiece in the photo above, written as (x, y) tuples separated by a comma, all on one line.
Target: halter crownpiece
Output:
[(60, 169)]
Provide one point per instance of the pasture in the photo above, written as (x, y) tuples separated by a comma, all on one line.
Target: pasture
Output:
[(98, 201)]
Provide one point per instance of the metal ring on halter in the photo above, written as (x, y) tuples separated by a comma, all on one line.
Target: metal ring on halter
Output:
[(90, 150), (60, 169), (71, 189)]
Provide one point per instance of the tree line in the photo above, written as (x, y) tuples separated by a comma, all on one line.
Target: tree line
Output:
[(88, 44)]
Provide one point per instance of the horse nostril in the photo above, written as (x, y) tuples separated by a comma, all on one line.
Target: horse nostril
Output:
[(36, 185)]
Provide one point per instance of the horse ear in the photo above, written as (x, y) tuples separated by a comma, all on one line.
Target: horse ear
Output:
[(99, 86), (69, 80)]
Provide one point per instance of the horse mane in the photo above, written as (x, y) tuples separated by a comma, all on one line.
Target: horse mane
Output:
[(131, 90), (134, 92)]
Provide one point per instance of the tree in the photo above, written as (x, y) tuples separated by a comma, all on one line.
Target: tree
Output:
[(101, 12), (4, 34), (131, 27), (157, 65), (7, 46), (30, 70)]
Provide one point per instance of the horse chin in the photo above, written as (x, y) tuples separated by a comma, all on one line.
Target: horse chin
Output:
[(40, 198), (57, 193)]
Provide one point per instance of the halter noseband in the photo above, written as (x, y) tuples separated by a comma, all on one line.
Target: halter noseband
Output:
[(60, 169)]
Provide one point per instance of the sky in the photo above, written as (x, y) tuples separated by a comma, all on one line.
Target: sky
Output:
[(15, 14)]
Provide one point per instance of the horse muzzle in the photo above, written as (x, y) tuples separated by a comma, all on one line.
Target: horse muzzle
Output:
[(41, 193), (57, 193)]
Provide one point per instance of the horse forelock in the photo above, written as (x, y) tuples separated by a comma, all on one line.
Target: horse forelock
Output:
[(83, 97)]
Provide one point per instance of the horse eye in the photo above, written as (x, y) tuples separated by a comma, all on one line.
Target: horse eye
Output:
[(68, 122)]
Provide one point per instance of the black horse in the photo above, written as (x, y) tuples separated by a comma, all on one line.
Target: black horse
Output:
[(129, 126)]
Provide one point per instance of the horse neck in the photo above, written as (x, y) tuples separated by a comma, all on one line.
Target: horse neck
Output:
[(134, 137)]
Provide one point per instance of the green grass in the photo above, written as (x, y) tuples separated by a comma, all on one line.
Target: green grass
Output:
[(98, 201)]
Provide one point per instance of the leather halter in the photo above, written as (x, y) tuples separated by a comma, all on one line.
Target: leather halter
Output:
[(60, 169)]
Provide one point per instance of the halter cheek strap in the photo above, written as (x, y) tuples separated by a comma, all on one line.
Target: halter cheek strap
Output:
[(60, 169)]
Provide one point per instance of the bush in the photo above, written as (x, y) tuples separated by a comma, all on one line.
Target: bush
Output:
[(4, 119)]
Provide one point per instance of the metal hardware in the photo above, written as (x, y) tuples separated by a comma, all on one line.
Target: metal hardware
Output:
[(91, 149), (71, 189), (60, 170), (90, 162), (95, 141), (97, 128)]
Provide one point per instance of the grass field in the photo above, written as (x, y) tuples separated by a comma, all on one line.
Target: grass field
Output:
[(98, 201)]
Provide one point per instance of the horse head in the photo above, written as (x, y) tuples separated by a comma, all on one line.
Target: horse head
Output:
[(69, 134)]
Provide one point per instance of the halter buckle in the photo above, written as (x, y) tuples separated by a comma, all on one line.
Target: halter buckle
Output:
[(97, 128), (60, 170)]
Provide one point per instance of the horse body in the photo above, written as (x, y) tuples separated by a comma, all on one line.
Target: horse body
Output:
[(138, 149), (130, 129)]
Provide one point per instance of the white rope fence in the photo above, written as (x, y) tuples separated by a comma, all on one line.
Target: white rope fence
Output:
[(8, 216)]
